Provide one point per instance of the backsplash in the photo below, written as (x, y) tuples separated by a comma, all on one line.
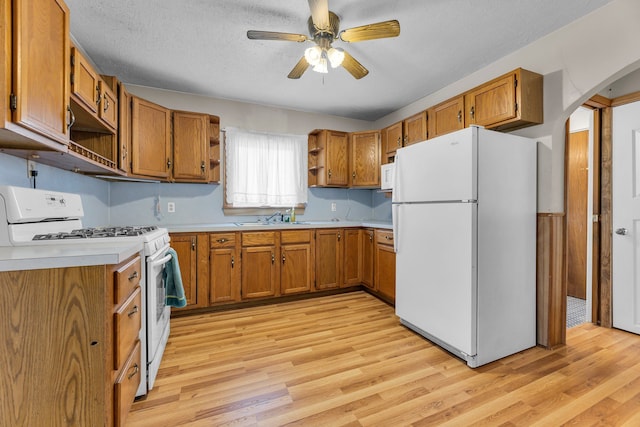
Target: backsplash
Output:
[(133, 203)]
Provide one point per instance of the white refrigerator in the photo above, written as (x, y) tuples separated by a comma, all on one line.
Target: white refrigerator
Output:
[(464, 218)]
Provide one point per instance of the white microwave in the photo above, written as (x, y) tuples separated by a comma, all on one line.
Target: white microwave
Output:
[(386, 176)]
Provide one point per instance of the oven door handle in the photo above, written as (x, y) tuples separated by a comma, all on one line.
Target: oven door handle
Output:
[(165, 259)]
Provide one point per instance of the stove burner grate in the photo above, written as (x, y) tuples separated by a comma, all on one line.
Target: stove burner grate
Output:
[(98, 232)]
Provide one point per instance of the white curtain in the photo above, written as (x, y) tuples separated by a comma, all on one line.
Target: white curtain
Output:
[(263, 169)]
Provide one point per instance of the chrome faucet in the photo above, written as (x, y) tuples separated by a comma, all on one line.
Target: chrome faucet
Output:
[(269, 218)]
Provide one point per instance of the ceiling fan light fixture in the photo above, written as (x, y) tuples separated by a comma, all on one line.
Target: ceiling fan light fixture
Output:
[(321, 66), (313, 55), (336, 56)]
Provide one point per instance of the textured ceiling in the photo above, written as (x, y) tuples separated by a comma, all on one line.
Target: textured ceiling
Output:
[(200, 46)]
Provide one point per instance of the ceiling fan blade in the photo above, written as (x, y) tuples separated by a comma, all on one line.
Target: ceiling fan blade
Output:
[(299, 69), (379, 30), (273, 35), (320, 14), (356, 69)]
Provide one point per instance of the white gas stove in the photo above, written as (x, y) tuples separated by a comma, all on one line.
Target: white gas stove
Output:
[(31, 217)]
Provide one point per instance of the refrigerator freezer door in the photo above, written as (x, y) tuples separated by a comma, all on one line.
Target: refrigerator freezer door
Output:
[(436, 280), (443, 168)]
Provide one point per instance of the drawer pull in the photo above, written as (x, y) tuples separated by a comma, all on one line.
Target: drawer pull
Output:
[(232, 262), (136, 369), (222, 240), (133, 276), (388, 237), (133, 311)]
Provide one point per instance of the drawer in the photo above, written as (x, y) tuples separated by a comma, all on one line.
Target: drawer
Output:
[(258, 238), (127, 323), (222, 240), (384, 237), (295, 236), (127, 278), (126, 385)]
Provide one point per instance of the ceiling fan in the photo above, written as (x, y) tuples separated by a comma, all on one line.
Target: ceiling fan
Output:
[(324, 28)]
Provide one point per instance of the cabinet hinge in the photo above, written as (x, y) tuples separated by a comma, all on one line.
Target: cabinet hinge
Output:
[(516, 107), (73, 78), (515, 83), (13, 102), (73, 60)]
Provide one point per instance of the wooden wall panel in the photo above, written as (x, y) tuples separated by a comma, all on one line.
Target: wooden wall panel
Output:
[(606, 316), (551, 286)]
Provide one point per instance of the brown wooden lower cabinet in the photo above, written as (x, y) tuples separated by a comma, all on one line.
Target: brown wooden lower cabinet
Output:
[(328, 258), (63, 363), (352, 257), (385, 261), (231, 267), (368, 253), (224, 268)]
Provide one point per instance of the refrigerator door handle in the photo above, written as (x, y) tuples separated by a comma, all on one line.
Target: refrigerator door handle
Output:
[(394, 219)]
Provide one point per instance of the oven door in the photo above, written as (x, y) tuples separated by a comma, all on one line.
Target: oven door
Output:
[(158, 313)]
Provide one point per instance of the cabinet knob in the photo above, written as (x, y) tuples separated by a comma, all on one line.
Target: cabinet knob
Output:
[(202, 167), (222, 240), (329, 173), (133, 311), (472, 112), (136, 369), (233, 262), (133, 276), (273, 258), (168, 163), (193, 243), (371, 237), (399, 141), (459, 116), (98, 95), (106, 104), (353, 175), (339, 237), (283, 258)]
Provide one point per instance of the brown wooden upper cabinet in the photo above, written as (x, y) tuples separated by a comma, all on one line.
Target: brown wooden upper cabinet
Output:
[(39, 95), (508, 102), (328, 158), (365, 159), (190, 147), (406, 132), (150, 139), (448, 116)]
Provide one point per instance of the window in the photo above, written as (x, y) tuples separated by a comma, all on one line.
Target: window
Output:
[(265, 170)]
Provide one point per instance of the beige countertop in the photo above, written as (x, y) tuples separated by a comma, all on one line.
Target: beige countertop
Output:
[(248, 226), (65, 255)]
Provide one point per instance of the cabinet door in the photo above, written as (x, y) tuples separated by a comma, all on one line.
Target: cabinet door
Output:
[(223, 280), (385, 282), (295, 275), (41, 67), (367, 258), (259, 272), (352, 257), (337, 164), (108, 111), (150, 139), (185, 247), (492, 103), (328, 258), (415, 128), (190, 146), (392, 139), (84, 82), (124, 129), (365, 159), (446, 117)]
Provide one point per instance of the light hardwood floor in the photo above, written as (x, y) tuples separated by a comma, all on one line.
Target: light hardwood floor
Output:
[(346, 361)]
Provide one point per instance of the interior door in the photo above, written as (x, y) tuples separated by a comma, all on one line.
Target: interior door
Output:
[(577, 189), (626, 217)]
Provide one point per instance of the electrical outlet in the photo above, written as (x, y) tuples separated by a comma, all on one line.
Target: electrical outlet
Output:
[(333, 206), (171, 207), (31, 166)]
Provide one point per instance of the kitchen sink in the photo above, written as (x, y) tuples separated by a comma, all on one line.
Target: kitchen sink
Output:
[(279, 224)]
